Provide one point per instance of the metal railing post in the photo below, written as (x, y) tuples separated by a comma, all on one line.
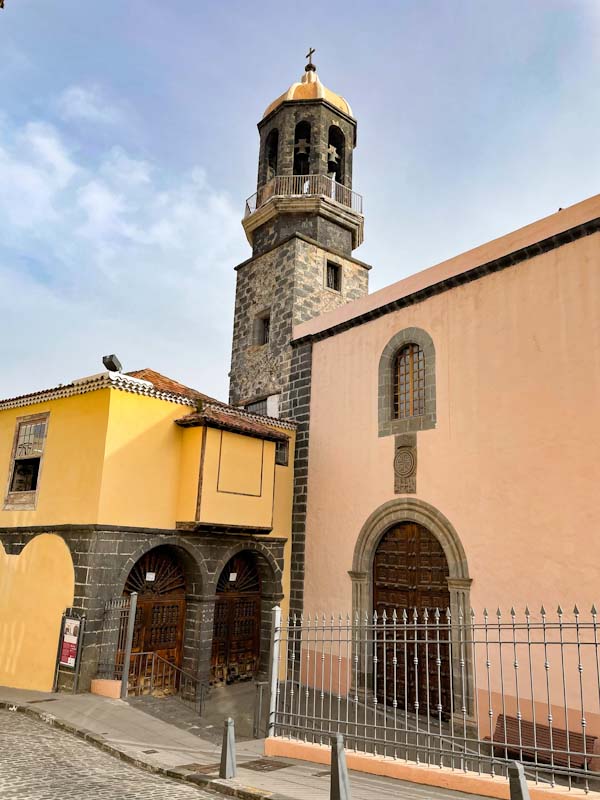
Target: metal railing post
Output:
[(128, 644), (274, 677), (258, 708)]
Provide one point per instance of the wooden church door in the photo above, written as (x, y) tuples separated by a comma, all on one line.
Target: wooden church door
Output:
[(236, 636), (411, 572)]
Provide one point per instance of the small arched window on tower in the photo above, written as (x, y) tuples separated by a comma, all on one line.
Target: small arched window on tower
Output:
[(336, 151), (271, 152), (302, 149), (409, 382)]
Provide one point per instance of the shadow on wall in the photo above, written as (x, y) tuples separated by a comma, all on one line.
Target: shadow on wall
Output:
[(35, 588)]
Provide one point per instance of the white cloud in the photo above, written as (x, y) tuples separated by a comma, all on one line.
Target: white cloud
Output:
[(118, 257), (87, 103), (34, 168)]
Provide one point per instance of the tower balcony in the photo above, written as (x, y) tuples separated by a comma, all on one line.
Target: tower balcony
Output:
[(300, 186), (306, 197)]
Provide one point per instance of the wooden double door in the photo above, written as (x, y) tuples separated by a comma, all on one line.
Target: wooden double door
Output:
[(411, 573), (236, 634), (159, 580)]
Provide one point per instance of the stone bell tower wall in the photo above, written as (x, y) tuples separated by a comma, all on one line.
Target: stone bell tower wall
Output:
[(288, 282), (313, 226)]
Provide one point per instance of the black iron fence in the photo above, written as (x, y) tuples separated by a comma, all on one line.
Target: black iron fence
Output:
[(463, 693)]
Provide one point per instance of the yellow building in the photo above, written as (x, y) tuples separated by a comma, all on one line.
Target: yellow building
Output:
[(133, 482)]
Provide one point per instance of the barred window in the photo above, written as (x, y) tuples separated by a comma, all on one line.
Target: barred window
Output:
[(282, 453), (334, 276), (258, 407), (265, 330), (409, 382), (262, 328)]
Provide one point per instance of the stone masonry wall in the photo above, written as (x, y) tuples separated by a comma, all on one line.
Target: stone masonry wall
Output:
[(288, 282), (264, 284), (295, 404), (325, 231), (311, 295)]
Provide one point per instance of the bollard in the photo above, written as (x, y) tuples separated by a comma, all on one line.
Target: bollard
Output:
[(340, 781), (518, 784), (227, 768)]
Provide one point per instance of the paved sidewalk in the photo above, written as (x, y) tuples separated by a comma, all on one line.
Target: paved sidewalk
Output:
[(155, 745)]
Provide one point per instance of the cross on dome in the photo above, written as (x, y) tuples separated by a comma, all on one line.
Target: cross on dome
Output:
[(309, 87)]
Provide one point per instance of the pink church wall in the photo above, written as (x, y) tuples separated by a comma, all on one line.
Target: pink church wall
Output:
[(513, 462)]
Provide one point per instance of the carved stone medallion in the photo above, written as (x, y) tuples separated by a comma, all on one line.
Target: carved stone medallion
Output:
[(405, 464)]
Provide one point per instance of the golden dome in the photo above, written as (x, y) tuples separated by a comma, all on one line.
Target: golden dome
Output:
[(310, 88)]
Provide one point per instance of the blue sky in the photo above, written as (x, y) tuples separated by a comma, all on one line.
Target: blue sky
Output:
[(128, 145)]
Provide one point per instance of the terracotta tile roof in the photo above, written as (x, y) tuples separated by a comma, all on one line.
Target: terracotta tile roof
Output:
[(237, 421), (171, 391), (164, 384)]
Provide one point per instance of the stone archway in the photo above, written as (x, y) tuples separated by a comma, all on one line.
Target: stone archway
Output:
[(394, 515), (190, 600), (159, 580), (409, 509)]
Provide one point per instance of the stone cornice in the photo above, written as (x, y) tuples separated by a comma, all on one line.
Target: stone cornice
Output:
[(309, 240), (314, 204)]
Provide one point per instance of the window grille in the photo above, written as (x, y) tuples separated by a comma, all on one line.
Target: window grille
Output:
[(409, 382), (334, 276), (265, 330), (259, 407), (282, 453)]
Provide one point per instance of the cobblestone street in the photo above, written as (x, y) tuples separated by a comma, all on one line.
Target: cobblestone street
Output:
[(39, 762)]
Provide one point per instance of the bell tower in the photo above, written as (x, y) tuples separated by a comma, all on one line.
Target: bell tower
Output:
[(303, 223)]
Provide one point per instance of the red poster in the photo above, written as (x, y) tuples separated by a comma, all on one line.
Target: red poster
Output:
[(70, 642)]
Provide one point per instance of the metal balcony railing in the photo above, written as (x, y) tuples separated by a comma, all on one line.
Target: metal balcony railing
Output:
[(304, 186)]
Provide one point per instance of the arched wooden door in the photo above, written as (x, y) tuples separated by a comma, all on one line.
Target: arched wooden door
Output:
[(236, 635), (159, 580), (410, 571)]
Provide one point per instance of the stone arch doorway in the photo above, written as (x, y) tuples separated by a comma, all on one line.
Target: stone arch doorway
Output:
[(441, 536), (159, 579), (237, 620), (410, 580)]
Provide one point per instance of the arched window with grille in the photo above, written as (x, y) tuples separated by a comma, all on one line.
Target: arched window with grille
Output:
[(407, 383)]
